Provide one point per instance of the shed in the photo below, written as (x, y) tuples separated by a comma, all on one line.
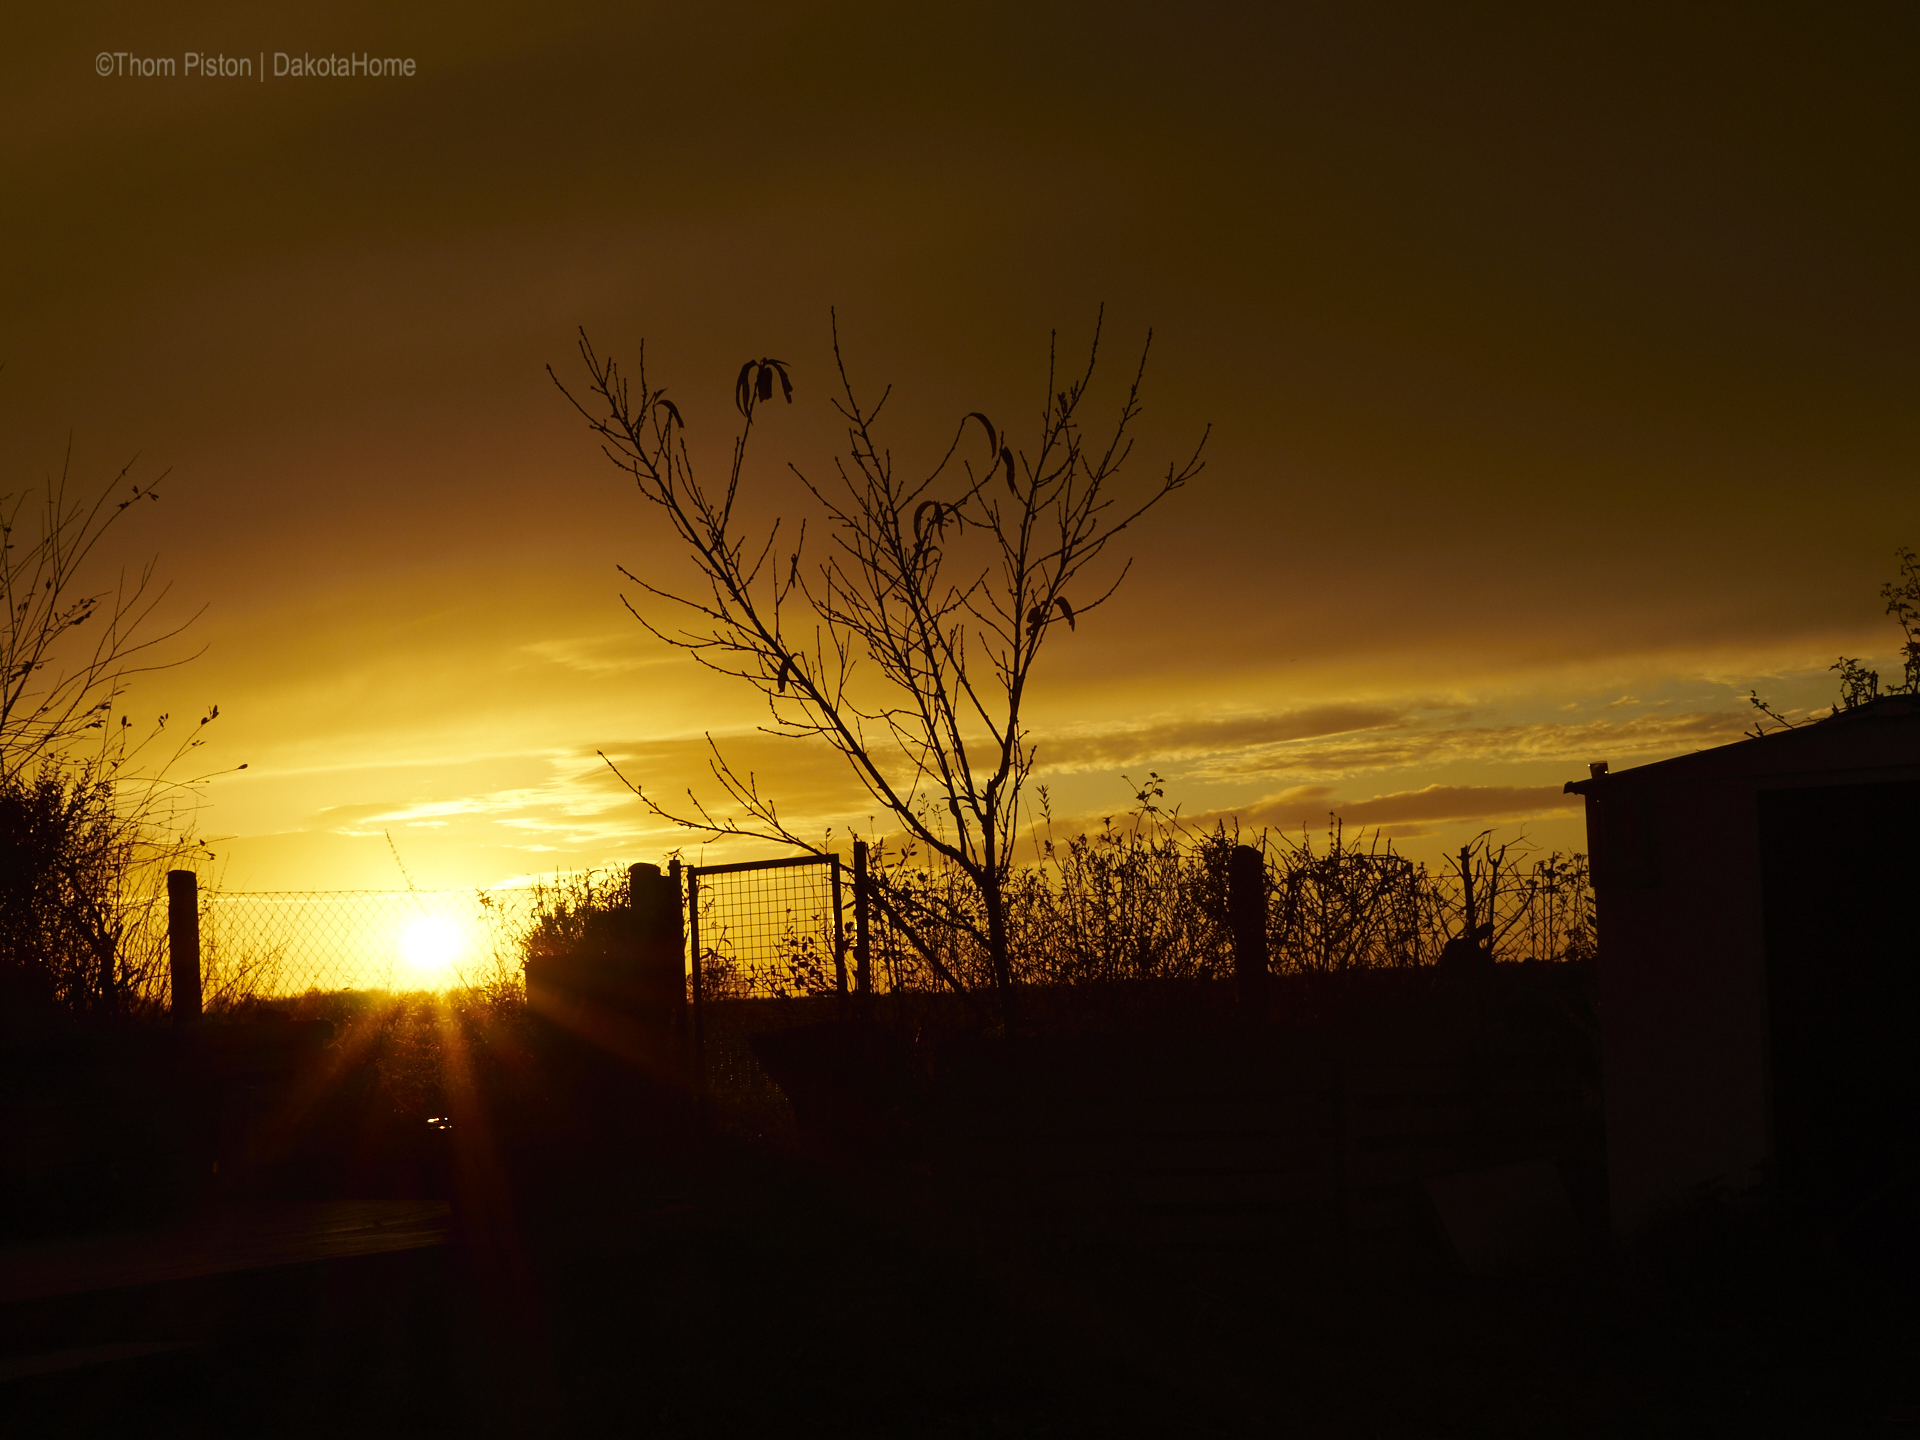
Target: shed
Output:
[(1759, 929)]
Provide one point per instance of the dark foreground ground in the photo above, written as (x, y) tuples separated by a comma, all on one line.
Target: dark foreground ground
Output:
[(612, 1272)]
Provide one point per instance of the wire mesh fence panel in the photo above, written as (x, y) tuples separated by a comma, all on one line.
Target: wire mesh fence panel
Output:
[(771, 948), (768, 929), (279, 943)]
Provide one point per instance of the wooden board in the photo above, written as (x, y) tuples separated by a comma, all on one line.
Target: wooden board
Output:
[(220, 1241)]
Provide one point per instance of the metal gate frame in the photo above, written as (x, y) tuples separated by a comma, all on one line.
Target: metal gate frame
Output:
[(693, 874)]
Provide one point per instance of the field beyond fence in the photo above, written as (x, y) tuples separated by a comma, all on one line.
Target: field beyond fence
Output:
[(274, 944)]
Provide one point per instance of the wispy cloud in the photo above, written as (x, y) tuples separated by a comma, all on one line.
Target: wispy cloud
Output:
[(1179, 738), (598, 655), (1405, 769), (1341, 741)]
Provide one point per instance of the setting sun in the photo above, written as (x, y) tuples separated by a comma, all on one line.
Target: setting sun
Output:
[(430, 945)]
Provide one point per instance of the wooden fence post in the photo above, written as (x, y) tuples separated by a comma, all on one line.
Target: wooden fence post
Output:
[(1247, 912), (1472, 929), (657, 945), (183, 943)]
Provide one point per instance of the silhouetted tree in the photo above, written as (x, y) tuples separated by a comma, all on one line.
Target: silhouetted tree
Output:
[(86, 832), (923, 624), (1858, 684)]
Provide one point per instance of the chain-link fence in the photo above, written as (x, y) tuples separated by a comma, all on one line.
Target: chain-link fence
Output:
[(279, 943)]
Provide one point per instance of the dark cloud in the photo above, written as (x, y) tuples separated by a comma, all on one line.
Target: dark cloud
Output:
[(1311, 805), (1459, 802)]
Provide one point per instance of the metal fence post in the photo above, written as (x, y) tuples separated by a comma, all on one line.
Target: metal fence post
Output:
[(679, 947), (839, 937), (862, 957), (183, 943), (699, 1027)]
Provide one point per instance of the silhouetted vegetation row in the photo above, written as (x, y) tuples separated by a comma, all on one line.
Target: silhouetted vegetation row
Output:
[(1147, 900)]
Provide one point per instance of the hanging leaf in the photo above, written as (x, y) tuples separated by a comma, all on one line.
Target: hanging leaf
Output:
[(1036, 617), (1006, 459), (755, 382), (1065, 609), (786, 669), (993, 436), (671, 409)]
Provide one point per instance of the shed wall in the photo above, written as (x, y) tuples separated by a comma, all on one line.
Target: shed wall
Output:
[(1683, 998), (1682, 888)]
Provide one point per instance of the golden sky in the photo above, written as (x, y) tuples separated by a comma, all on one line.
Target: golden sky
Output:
[(1561, 374)]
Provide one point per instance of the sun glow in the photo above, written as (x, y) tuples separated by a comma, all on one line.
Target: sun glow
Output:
[(430, 945)]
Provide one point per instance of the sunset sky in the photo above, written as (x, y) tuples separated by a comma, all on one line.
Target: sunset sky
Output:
[(1562, 376)]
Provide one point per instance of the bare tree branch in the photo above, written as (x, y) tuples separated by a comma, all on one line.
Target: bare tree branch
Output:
[(924, 616)]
